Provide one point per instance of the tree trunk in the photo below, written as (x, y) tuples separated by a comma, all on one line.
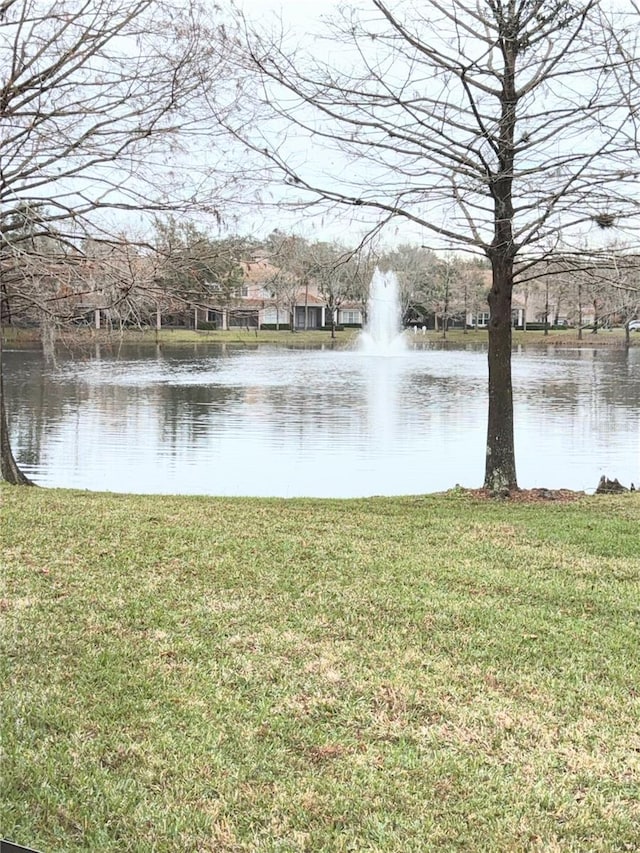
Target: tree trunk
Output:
[(579, 311), (466, 309), (9, 469), (546, 307), (500, 466), (5, 306), (500, 469), (48, 338), (445, 314)]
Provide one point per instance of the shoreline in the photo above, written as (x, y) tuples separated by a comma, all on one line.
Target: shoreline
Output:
[(457, 337)]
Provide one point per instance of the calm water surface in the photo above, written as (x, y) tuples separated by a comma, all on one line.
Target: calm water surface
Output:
[(282, 422)]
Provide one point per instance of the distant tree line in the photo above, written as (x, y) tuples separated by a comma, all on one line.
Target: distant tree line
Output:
[(53, 282)]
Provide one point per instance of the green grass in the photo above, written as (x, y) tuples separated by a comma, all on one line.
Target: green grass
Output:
[(417, 674), (455, 337), (83, 336), (555, 337)]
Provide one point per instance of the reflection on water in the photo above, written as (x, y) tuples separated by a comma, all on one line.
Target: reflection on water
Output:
[(271, 421)]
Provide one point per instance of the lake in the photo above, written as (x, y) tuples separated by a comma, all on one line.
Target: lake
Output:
[(284, 422)]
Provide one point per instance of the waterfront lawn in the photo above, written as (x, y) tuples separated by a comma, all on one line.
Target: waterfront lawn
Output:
[(345, 338), (435, 673), (71, 337)]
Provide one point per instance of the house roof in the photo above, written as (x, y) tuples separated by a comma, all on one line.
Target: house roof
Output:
[(258, 271), (309, 299)]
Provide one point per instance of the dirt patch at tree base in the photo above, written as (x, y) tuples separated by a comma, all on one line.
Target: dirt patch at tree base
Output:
[(528, 495)]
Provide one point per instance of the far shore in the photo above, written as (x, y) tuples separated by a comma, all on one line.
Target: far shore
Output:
[(80, 336)]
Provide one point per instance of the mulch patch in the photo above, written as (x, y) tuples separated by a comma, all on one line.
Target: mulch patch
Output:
[(528, 496)]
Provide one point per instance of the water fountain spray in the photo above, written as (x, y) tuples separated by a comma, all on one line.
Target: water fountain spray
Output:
[(382, 335)]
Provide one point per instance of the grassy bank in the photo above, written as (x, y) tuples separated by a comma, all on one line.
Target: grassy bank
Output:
[(455, 337), (555, 337), (431, 673), (85, 336)]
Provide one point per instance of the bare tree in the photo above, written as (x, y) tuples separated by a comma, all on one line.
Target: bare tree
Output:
[(612, 289), (289, 280), (505, 127), (197, 270), (472, 292), (335, 271), (448, 277), (97, 98), (589, 290), (415, 268)]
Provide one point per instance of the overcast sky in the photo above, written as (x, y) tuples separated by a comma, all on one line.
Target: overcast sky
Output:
[(298, 12)]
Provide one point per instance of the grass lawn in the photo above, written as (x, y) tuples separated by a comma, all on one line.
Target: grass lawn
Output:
[(555, 337), (431, 673), (84, 336), (343, 338)]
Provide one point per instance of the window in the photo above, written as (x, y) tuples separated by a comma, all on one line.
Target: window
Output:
[(350, 317), (482, 318)]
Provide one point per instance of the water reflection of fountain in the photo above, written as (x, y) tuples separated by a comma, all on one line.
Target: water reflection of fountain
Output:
[(382, 335), (384, 384)]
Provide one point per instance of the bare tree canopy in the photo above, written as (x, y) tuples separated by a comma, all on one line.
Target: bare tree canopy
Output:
[(440, 102), (99, 111), (508, 127), (91, 97)]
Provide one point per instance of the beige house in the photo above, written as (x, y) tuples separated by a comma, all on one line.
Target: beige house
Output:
[(544, 301), (269, 299)]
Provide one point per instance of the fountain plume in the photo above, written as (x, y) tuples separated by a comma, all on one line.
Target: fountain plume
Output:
[(383, 331)]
